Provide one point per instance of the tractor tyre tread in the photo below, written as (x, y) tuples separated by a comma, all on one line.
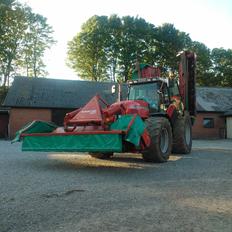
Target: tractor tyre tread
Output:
[(180, 146), (153, 153)]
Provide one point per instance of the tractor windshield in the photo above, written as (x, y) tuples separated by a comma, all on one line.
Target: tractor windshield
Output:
[(147, 92)]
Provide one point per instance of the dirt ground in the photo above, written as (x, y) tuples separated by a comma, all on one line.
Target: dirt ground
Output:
[(73, 192)]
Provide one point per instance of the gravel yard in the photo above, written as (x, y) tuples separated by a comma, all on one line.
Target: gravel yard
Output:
[(74, 192)]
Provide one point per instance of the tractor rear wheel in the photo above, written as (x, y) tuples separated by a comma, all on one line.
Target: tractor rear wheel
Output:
[(99, 155), (160, 133), (182, 135)]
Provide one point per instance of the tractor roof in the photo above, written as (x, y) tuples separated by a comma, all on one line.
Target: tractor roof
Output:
[(148, 80)]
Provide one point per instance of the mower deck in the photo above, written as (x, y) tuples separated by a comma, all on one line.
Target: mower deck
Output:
[(73, 142)]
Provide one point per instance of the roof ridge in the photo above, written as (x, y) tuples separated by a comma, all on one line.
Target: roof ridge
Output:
[(57, 79)]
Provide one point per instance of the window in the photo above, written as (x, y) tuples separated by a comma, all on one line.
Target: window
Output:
[(208, 123), (147, 92), (173, 88)]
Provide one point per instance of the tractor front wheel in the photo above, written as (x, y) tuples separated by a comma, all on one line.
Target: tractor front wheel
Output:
[(160, 133), (99, 155)]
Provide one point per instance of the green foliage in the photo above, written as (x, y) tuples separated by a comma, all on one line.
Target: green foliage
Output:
[(11, 28), (37, 38), (3, 93), (222, 66), (107, 48), (87, 53), (24, 36), (120, 43), (136, 43), (204, 63), (169, 42), (113, 44)]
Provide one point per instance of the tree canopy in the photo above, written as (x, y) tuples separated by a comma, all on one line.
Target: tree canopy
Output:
[(222, 66), (88, 49), (107, 48), (24, 37)]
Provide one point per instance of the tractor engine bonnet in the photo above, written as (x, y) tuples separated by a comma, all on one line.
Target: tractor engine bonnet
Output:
[(138, 107)]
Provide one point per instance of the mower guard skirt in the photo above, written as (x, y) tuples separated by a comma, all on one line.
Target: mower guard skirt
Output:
[(73, 143), (43, 136)]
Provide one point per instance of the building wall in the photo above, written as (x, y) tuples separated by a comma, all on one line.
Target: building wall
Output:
[(21, 116), (4, 119), (229, 127), (218, 131)]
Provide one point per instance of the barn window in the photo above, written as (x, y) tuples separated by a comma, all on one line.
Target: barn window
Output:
[(208, 123)]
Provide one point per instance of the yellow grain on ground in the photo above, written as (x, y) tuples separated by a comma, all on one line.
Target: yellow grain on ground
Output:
[(80, 160)]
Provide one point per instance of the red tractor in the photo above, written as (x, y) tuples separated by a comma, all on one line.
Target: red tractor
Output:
[(156, 120)]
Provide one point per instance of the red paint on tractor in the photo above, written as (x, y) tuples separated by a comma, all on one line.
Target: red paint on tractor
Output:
[(182, 82), (138, 107), (89, 114)]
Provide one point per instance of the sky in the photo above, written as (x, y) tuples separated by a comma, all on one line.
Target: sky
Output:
[(206, 21)]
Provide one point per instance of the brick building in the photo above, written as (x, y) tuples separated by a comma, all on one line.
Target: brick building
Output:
[(50, 99), (213, 118)]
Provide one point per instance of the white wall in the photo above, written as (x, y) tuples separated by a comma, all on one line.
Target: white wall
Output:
[(229, 127)]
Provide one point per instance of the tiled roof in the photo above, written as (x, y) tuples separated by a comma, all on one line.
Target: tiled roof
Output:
[(54, 93), (214, 99)]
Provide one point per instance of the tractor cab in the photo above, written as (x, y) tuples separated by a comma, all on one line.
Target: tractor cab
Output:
[(154, 92)]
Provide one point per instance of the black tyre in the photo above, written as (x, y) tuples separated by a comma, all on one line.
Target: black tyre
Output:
[(182, 135), (99, 155), (160, 133)]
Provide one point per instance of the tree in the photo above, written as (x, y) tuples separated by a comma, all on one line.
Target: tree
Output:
[(3, 93), (24, 36), (222, 66), (204, 64), (107, 47), (87, 51), (136, 44), (37, 38), (113, 44), (12, 26), (169, 42)]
